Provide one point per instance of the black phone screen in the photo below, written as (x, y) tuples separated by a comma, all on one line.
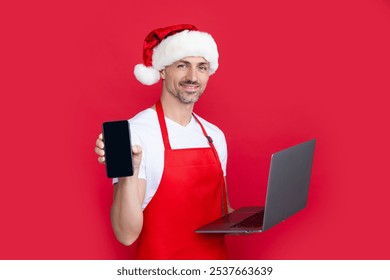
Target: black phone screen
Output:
[(117, 147)]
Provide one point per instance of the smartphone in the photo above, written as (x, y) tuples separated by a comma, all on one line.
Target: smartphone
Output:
[(117, 148)]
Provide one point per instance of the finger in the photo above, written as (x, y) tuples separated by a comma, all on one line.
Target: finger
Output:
[(137, 149), (101, 160), (100, 144), (99, 152), (100, 136)]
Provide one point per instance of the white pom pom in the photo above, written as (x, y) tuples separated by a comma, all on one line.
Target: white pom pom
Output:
[(146, 75)]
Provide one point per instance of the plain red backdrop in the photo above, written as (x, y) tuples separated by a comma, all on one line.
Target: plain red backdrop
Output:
[(289, 71)]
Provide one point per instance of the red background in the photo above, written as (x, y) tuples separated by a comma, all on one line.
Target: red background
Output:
[(289, 71)]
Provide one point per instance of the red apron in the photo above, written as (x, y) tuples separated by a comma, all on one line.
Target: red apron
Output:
[(189, 195)]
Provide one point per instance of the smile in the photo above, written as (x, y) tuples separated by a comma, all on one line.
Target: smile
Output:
[(188, 87)]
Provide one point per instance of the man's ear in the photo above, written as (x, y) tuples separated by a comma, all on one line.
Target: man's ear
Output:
[(162, 74)]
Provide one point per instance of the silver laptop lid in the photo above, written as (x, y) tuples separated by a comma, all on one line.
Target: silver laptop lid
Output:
[(288, 182)]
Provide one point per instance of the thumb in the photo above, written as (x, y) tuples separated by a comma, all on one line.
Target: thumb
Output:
[(137, 149)]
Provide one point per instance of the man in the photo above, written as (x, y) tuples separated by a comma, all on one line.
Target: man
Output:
[(179, 158)]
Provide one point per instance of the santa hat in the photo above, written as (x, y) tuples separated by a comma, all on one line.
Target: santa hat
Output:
[(164, 46)]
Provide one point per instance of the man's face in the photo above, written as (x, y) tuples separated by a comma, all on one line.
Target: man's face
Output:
[(186, 79)]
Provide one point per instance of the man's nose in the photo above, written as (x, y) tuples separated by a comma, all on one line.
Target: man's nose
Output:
[(192, 74)]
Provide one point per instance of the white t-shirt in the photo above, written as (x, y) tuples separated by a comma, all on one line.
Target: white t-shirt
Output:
[(145, 131)]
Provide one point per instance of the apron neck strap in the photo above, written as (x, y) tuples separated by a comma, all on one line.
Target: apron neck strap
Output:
[(163, 125)]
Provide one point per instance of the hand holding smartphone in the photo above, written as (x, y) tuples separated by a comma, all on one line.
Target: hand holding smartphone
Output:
[(117, 148)]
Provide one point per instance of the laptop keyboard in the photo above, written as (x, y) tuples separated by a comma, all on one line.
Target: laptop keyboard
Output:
[(256, 220)]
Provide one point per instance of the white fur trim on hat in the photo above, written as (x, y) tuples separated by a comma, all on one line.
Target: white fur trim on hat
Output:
[(146, 75), (183, 44)]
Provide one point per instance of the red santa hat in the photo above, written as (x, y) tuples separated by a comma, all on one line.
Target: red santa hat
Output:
[(164, 46)]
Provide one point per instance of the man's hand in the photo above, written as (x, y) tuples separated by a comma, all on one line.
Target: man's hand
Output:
[(99, 150)]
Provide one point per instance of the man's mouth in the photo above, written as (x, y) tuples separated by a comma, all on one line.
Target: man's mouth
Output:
[(190, 86)]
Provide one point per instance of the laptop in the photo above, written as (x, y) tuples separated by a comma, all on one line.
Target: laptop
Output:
[(287, 192)]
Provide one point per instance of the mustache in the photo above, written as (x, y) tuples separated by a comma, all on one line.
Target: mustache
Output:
[(190, 83)]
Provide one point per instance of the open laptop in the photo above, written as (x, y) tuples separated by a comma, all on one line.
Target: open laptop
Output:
[(287, 192)]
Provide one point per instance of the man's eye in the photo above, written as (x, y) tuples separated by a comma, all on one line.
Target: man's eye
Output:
[(181, 66), (203, 68)]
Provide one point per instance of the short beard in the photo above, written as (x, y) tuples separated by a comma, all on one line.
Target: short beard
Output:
[(181, 95)]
